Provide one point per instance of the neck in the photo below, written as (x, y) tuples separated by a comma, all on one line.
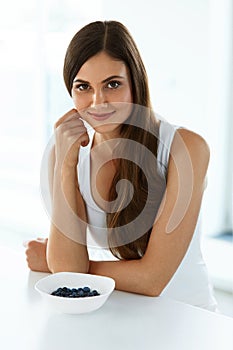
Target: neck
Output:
[(100, 137)]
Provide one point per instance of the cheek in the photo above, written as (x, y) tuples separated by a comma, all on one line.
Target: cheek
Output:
[(128, 97), (75, 101), (79, 102), (122, 96)]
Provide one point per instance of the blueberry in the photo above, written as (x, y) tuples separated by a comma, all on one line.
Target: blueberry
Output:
[(81, 293), (74, 292), (95, 292), (86, 289), (73, 295)]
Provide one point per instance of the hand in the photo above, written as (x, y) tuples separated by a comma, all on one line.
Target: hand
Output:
[(70, 133), (36, 254)]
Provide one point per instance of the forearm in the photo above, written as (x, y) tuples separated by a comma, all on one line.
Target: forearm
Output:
[(129, 275), (66, 249), (63, 254)]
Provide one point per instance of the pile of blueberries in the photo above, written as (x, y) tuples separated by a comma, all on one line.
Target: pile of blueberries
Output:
[(75, 292)]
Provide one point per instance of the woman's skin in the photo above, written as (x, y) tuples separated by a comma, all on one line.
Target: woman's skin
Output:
[(175, 224)]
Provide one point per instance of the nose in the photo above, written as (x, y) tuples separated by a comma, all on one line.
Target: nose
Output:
[(98, 98)]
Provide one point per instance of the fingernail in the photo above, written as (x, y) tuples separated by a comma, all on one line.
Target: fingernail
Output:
[(84, 143)]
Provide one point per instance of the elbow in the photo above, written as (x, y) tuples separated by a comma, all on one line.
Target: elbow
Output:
[(152, 292), (153, 287)]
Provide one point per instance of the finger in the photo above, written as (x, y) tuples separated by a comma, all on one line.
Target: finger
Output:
[(84, 140), (41, 239), (73, 124), (77, 141), (75, 132), (66, 116), (74, 120)]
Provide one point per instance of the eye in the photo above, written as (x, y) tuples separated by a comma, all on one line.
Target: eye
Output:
[(114, 84), (82, 87)]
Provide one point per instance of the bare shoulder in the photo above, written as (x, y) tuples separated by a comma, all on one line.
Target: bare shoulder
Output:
[(193, 140), (188, 141), (189, 155)]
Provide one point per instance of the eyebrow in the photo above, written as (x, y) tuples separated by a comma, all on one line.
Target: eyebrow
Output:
[(103, 81)]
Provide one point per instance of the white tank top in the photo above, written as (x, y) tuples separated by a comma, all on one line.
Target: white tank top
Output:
[(190, 283)]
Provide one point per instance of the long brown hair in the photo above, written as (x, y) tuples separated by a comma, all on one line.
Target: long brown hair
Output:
[(141, 128)]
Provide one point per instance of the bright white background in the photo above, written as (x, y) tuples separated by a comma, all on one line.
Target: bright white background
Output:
[(186, 46)]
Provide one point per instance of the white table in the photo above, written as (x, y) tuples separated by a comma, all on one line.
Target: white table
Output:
[(126, 322)]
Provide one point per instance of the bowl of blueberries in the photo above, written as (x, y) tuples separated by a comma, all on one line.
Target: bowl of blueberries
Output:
[(75, 293)]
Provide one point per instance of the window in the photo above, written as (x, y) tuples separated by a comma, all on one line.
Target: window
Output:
[(189, 66), (34, 35)]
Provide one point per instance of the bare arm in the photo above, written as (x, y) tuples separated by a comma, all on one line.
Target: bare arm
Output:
[(66, 250), (174, 226)]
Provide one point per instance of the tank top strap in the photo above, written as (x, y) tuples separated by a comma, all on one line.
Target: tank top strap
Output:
[(165, 138)]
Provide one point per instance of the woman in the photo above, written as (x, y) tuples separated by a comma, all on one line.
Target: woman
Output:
[(125, 182)]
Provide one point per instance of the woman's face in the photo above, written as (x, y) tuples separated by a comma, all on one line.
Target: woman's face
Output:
[(102, 92)]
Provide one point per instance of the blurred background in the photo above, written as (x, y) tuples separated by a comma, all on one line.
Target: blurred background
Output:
[(187, 48)]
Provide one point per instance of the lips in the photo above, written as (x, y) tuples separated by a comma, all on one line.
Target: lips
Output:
[(101, 116)]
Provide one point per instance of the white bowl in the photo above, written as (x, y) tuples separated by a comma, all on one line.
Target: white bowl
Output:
[(104, 285)]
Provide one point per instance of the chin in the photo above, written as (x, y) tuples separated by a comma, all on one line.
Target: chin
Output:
[(107, 128)]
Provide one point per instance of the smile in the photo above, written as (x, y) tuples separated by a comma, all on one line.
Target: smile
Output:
[(101, 116)]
